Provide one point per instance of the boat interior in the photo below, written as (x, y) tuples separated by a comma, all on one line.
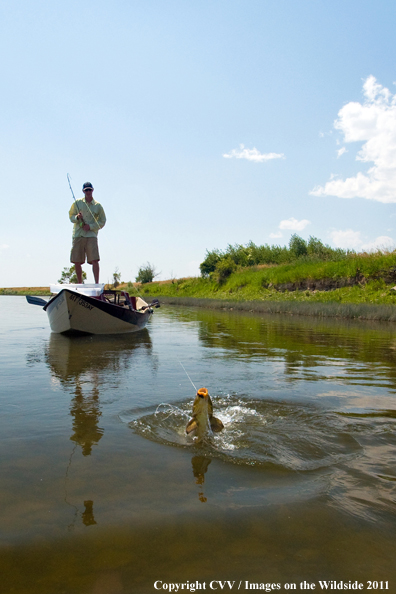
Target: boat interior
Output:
[(123, 299)]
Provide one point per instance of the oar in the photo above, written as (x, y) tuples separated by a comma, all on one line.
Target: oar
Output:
[(36, 300)]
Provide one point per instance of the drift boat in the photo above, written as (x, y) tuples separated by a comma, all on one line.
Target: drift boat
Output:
[(92, 309)]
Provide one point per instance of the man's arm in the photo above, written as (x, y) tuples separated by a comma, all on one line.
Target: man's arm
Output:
[(100, 220), (75, 216)]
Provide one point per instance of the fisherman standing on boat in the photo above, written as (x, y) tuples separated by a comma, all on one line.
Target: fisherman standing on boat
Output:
[(87, 217)]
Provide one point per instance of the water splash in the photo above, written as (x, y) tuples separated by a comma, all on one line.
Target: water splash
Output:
[(287, 436)]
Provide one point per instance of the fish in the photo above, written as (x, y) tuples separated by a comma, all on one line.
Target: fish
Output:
[(203, 421)]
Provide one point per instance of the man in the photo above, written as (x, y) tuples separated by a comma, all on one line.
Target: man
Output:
[(88, 217)]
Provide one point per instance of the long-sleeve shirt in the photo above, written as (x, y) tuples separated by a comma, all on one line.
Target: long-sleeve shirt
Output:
[(93, 215)]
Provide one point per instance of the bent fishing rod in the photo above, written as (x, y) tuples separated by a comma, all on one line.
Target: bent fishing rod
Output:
[(75, 201), (82, 222)]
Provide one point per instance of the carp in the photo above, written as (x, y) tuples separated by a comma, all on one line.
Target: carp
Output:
[(203, 421)]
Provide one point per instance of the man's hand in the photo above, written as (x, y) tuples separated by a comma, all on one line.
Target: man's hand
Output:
[(86, 227), (79, 217)]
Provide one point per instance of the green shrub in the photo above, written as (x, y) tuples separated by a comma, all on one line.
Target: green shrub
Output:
[(251, 254), (69, 276), (224, 269), (146, 273), (116, 278), (297, 246), (209, 264)]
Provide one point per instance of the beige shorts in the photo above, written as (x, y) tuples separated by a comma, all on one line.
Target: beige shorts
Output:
[(84, 246)]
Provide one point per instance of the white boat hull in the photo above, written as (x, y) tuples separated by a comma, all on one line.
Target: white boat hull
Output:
[(70, 312)]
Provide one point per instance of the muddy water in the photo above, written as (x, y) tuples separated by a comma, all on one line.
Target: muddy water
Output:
[(102, 491)]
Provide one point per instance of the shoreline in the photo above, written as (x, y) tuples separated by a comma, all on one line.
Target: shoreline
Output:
[(384, 312), (359, 311), (22, 291)]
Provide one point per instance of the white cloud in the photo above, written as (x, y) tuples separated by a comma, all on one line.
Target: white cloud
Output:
[(252, 155), (353, 240), (347, 239), (341, 151), (372, 122), (4, 246), (276, 235), (382, 243), (293, 224)]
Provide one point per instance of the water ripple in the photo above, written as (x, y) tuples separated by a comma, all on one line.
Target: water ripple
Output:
[(287, 436)]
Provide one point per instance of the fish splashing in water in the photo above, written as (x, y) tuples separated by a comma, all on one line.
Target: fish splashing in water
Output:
[(203, 422)]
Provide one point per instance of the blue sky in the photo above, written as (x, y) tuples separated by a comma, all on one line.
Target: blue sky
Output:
[(200, 123)]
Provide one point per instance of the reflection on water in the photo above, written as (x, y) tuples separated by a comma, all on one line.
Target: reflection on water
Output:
[(80, 362), (85, 357), (200, 467), (85, 411), (102, 490), (304, 345), (88, 515)]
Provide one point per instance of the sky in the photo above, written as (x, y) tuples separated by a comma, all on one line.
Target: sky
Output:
[(200, 123)]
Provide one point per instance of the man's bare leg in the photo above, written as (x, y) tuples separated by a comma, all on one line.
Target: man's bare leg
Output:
[(78, 269), (95, 270)]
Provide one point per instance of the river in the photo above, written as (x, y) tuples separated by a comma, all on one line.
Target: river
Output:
[(102, 492)]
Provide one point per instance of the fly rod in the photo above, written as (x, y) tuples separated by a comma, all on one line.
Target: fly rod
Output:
[(94, 217), (75, 201)]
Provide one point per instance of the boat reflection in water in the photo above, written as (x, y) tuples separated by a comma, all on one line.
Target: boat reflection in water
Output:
[(69, 357), (82, 364)]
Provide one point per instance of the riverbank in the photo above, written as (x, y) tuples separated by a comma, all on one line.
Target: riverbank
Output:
[(42, 291), (362, 311), (376, 292), (358, 278), (359, 286)]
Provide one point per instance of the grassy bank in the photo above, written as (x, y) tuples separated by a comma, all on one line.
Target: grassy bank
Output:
[(240, 289), (43, 291), (361, 311), (362, 278), (360, 285)]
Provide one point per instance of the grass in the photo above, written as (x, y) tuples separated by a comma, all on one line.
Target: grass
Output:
[(359, 285), (361, 311), (25, 291), (365, 288)]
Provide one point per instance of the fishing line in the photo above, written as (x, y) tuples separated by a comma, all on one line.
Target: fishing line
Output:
[(195, 388), (70, 526)]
